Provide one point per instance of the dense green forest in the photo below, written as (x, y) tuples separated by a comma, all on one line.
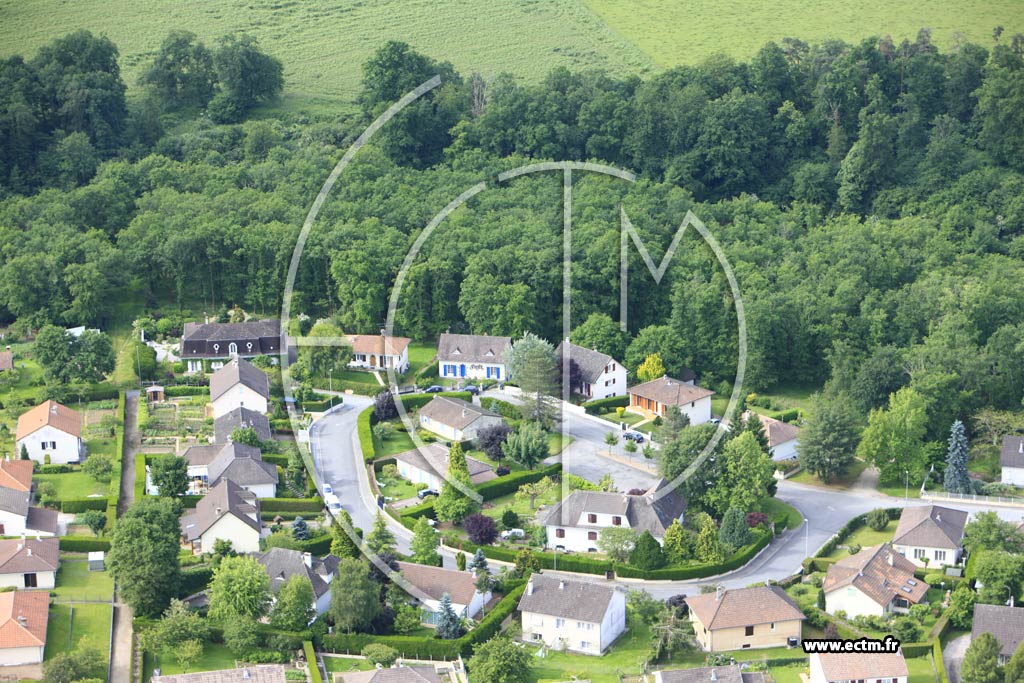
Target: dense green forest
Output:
[(869, 196)]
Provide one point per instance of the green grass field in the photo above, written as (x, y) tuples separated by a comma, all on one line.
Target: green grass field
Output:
[(76, 582), (774, 507), (865, 537), (215, 657), (843, 482), (64, 631)]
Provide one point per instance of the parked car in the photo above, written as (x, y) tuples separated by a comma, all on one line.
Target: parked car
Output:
[(512, 533), (423, 493), (714, 420), (333, 503), (473, 389), (328, 491), (433, 389), (633, 436)]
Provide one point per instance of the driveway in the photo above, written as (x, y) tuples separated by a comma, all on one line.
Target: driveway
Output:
[(953, 656)]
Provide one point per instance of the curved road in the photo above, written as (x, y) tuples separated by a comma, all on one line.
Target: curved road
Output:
[(334, 443)]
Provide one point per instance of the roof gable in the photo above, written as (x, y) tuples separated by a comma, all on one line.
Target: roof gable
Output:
[(591, 362), (930, 526), (239, 371), (472, 348), (23, 616), (565, 598), (52, 414), (878, 572), (669, 391), (744, 607)]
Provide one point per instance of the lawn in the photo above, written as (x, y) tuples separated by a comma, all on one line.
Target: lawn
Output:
[(522, 508), (865, 537), (69, 624), (73, 485), (843, 482), (921, 670), (774, 507), (215, 657), (420, 356), (399, 441), (397, 488), (627, 417), (76, 582), (345, 664), (557, 442)]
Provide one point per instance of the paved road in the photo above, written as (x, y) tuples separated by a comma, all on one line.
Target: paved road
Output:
[(953, 656)]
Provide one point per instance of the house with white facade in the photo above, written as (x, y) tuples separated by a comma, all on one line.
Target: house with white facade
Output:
[(654, 398), (1005, 623), (216, 343), (18, 517), (29, 562), (52, 433), (23, 622), (472, 356), (601, 375), (1011, 460), (454, 419), (283, 565), (227, 512), (783, 437), (378, 352), (210, 464), (575, 523), (241, 418), (433, 583), (931, 535), (877, 581), (429, 465), (239, 384), (853, 667), (577, 616)]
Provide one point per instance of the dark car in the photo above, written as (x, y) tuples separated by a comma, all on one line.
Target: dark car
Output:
[(473, 389), (633, 436), (426, 492), (433, 389)]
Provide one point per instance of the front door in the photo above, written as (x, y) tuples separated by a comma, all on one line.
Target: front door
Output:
[(373, 361)]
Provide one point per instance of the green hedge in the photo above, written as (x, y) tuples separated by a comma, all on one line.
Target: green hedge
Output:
[(511, 482), (318, 545), (911, 650), (76, 505), (56, 469), (316, 406), (699, 571), (184, 390), (503, 408), (414, 401), (282, 426), (140, 475), (940, 666), (83, 544), (104, 391), (851, 526), (276, 459), (314, 505), (194, 580), (364, 428), (314, 668), (604, 405)]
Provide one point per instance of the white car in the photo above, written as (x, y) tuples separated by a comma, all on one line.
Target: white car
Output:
[(512, 533), (333, 503), (328, 491)]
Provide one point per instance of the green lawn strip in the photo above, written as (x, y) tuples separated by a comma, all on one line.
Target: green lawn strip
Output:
[(345, 664), (91, 620), (900, 490), (921, 670), (627, 417), (216, 656), (843, 482), (397, 488), (420, 356), (558, 442), (864, 537), (75, 582), (73, 485), (498, 505), (774, 507), (398, 441)]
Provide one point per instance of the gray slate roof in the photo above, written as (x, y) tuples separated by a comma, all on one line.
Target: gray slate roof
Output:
[(263, 673), (282, 564), (567, 599), (931, 526), (709, 674), (240, 418), (472, 348), (239, 371), (226, 498), (1005, 623), (41, 519), (1012, 452), (454, 412), (243, 465), (398, 674), (250, 329), (14, 501), (19, 556), (433, 458), (643, 512), (591, 362)]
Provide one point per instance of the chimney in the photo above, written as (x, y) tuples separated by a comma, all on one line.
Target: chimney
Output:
[(464, 412), (307, 559), (29, 551), (245, 674), (718, 593), (714, 675), (22, 620), (529, 587), (561, 585), (938, 516), (1019, 450), (1011, 601), (219, 509), (888, 558), (21, 545)]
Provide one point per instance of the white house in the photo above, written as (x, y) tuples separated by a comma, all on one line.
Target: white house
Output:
[(873, 667), (29, 562), (876, 581), (429, 465), (576, 523), (377, 352), (52, 432), (227, 512), (930, 535), (435, 582), (454, 419), (18, 517), (239, 384), (472, 356), (783, 437), (654, 398), (578, 616), (283, 564), (23, 621), (601, 375), (1011, 460), (216, 343), (210, 464)]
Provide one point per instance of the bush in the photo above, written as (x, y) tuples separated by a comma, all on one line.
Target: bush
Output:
[(83, 544), (364, 428), (511, 483), (791, 415), (76, 505), (503, 408), (877, 519), (314, 505), (194, 579), (378, 653), (509, 519), (604, 405), (695, 571), (185, 390)]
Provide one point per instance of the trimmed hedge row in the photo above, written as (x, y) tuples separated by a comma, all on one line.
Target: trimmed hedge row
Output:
[(76, 505), (911, 650), (940, 666), (700, 571), (194, 580), (318, 545), (314, 505), (414, 401), (419, 647), (314, 668), (512, 481), (851, 526), (503, 408), (364, 429), (185, 390), (604, 405), (83, 544), (316, 406), (276, 459), (140, 475)]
